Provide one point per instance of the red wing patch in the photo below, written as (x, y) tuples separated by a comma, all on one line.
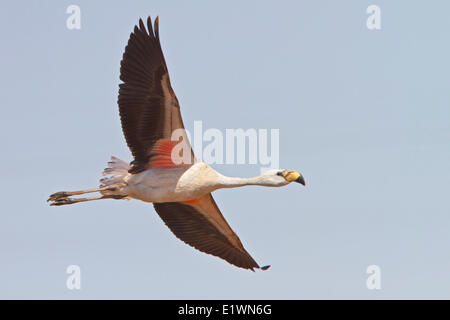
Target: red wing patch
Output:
[(192, 202), (161, 155)]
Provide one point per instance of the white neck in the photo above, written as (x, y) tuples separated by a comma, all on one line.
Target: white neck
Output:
[(234, 182)]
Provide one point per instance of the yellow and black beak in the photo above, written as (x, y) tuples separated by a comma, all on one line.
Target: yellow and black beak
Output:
[(301, 180), (293, 176)]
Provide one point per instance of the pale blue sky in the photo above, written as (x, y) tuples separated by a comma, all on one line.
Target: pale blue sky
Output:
[(364, 115)]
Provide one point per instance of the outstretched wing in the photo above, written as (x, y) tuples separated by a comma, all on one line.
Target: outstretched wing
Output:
[(200, 224), (149, 109)]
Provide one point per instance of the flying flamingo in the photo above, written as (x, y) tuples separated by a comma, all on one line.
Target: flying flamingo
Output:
[(180, 191)]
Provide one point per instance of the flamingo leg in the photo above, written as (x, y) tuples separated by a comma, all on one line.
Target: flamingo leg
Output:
[(64, 197), (66, 200), (65, 194)]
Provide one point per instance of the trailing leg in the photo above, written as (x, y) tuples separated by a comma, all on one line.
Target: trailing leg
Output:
[(66, 200), (65, 194), (111, 186)]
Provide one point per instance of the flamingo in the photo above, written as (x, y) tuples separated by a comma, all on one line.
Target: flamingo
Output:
[(180, 191)]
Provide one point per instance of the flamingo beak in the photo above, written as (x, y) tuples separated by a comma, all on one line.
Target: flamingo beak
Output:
[(300, 180), (293, 176)]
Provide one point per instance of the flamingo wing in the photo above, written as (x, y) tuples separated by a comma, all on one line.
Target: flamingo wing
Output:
[(149, 108), (200, 224)]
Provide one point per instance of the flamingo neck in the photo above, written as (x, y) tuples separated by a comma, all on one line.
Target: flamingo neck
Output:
[(234, 182)]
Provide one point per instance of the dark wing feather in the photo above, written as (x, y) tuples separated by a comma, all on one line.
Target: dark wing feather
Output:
[(149, 109), (203, 226)]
